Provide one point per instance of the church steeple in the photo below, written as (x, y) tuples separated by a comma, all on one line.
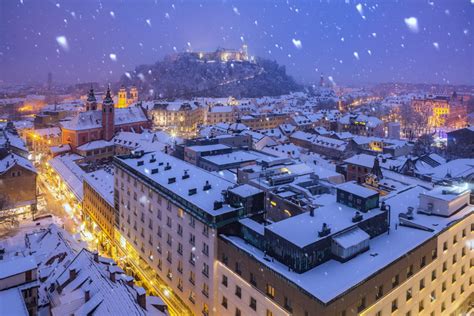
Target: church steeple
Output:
[(91, 103), (108, 116)]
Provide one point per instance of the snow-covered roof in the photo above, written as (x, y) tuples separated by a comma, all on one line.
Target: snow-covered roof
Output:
[(66, 167), (351, 237), (363, 160), (96, 144), (11, 159), (329, 280), (356, 189), (16, 266), (337, 216), (245, 190), (93, 119), (204, 148), (166, 167), (12, 303), (103, 183)]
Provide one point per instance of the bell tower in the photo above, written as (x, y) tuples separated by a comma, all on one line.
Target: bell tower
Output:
[(133, 95), (108, 114), (91, 103), (122, 98)]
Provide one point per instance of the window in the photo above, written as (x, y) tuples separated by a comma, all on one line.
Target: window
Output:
[(269, 313), (445, 246), (379, 292), (192, 239), (192, 221), (205, 289), (455, 239), (423, 262), (253, 303), (421, 306), (180, 230), (410, 271), (288, 305), (205, 269), (238, 291), (445, 266), (270, 291), (453, 278), (455, 259), (180, 213), (238, 312), (224, 302), (395, 281), (253, 281), (394, 306), (237, 268), (433, 296), (443, 287), (433, 254), (361, 304), (422, 284), (224, 280), (205, 230), (433, 275), (408, 295), (205, 249)]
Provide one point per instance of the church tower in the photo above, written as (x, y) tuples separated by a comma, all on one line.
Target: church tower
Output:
[(91, 103), (122, 98), (108, 114), (133, 95)]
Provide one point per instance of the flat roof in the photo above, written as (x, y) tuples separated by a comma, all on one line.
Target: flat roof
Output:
[(302, 230), (204, 200), (16, 265), (356, 189)]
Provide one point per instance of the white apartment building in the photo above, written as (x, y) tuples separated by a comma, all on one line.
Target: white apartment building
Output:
[(168, 211)]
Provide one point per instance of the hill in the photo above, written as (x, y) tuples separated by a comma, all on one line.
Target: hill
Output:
[(186, 75)]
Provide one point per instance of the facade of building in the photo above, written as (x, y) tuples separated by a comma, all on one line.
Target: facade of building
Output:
[(124, 100), (264, 121), (431, 274), (98, 204), (220, 114), (169, 211), (17, 182), (178, 118)]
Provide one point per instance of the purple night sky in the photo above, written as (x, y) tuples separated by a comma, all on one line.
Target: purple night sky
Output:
[(418, 41)]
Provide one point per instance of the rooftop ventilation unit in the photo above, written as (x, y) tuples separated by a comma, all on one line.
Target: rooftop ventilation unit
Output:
[(153, 159), (217, 205), (160, 163), (207, 186), (357, 217), (168, 166), (325, 230), (140, 163), (171, 180), (153, 171), (192, 191), (185, 175)]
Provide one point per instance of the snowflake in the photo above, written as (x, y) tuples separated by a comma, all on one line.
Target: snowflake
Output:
[(297, 43), (412, 24)]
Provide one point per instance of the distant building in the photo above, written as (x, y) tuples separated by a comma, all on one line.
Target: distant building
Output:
[(94, 124), (179, 118), (461, 142), (19, 286), (123, 100)]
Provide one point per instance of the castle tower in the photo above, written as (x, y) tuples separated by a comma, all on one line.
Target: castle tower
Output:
[(133, 95), (245, 52), (108, 114), (91, 103), (122, 98)]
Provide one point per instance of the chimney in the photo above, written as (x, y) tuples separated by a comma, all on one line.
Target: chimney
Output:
[(113, 276), (72, 274), (87, 295), (141, 297), (96, 256)]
